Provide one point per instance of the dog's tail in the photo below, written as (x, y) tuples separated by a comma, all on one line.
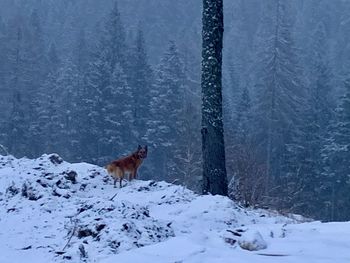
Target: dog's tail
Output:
[(108, 167)]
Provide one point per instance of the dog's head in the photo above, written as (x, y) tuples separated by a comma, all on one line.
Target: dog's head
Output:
[(142, 152)]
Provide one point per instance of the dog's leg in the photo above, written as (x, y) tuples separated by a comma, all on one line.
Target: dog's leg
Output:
[(115, 177), (121, 177), (131, 175), (135, 174)]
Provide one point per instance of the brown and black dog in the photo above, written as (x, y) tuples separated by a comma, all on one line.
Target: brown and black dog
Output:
[(128, 164)]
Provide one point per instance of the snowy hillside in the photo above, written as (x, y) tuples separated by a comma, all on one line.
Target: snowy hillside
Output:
[(54, 211)]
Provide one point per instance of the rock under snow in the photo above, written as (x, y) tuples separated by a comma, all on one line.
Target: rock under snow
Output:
[(252, 241)]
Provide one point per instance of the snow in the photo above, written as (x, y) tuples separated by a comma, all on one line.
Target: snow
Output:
[(54, 211)]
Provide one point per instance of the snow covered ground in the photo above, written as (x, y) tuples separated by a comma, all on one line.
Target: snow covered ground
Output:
[(54, 211)]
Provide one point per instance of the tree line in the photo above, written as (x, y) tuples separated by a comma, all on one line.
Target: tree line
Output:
[(101, 102), (288, 135), (98, 92)]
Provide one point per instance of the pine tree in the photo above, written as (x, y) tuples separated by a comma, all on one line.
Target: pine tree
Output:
[(279, 94), (2, 55), (67, 83), (113, 39), (244, 117), (336, 183), (317, 118), (36, 73), (81, 54), (47, 107), (232, 89), (187, 155), (4, 90), (81, 57), (102, 95), (17, 125), (117, 118), (321, 80), (53, 60), (26, 66), (99, 77), (140, 80), (166, 107), (213, 147), (57, 111)]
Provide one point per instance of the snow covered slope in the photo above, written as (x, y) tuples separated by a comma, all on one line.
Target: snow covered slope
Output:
[(54, 211)]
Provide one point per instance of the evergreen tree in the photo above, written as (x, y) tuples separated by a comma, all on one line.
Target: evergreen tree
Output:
[(232, 90), (81, 57), (140, 79), (17, 125), (2, 55), (81, 53), (188, 157), (244, 117), (117, 118), (36, 72), (280, 94), (112, 44), (317, 118), (4, 90), (188, 163), (321, 80), (48, 116), (53, 60), (99, 77), (102, 96), (67, 86), (336, 153), (166, 106), (57, 111)]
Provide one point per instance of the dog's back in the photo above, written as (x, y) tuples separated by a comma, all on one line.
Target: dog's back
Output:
[(129, 163)]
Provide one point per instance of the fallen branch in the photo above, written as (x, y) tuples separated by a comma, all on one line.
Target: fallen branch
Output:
[(113, 197), (175, 181), (272, 255), (2, 147), (26, 248), (72, 234)]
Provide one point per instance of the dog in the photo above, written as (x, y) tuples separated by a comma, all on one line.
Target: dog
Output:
[(128, 164)]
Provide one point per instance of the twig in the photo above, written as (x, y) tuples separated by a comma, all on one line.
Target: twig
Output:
[(175, 181), (273, 255), (4, 149), (73, 231), (113, 197)]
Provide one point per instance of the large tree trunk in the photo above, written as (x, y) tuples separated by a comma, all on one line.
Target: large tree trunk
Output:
[(213, 147)]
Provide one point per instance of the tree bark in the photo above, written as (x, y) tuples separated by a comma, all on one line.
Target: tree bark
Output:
[(213, 146)]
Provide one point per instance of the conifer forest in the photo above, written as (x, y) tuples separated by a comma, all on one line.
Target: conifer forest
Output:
[(91, 80)]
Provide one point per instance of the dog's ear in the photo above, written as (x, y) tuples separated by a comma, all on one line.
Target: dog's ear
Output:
[(146, 148), (139, 147)]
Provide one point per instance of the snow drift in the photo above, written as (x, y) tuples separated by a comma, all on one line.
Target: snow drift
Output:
[(54, 211)]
